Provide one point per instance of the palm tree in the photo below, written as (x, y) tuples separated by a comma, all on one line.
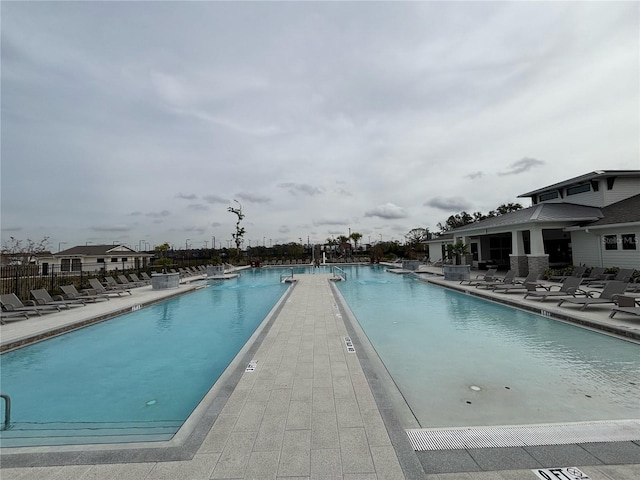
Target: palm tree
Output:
[(355, 236)]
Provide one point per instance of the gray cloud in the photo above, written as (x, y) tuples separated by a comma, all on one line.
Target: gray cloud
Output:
[(253, 198), (295, 188), (388, 211), (198, 207), (215, 199), (457, 204), (190, 196), (161, 214), (522, 166), (331, 221), (474, 175), (111, 228)]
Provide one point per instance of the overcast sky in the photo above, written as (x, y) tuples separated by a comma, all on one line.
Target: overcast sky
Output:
[(143, 121)]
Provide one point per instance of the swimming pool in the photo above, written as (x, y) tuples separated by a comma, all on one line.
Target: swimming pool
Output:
[(136, 377), (459, 360), (436, 343)]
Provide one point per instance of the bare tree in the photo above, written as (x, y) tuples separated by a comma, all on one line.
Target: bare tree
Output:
[(23, 252), (237, 237)]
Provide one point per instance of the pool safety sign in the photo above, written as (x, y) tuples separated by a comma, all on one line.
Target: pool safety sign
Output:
[(564, 473)]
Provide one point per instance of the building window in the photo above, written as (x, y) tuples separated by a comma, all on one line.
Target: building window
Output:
[(65, 265), (629, 241), (548, 196), (76, 265), (125, 259), (610, 242), (579, 189), (101, 260), (114, 260)]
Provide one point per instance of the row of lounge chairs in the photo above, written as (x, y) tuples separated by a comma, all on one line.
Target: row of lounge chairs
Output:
[(14, 309), (575, 289)]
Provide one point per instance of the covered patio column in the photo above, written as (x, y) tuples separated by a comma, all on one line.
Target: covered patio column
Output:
[(517, 259), (538, 260)]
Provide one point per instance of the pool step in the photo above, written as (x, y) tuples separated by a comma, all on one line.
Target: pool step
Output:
[(65, 433)]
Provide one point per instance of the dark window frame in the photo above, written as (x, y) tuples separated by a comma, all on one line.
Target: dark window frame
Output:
[(577, 189), (629, 241), (610, 242)]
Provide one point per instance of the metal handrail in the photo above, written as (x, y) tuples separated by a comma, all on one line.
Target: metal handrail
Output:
[(284, 276), (7, 411), (341, 273)]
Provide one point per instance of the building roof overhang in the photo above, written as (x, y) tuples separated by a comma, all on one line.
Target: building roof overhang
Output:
[(595, 175)]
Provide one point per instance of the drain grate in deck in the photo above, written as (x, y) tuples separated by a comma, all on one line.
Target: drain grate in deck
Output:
[(424, 439)]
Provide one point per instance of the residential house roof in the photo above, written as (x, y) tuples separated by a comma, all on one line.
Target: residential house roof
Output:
[(99, 250)]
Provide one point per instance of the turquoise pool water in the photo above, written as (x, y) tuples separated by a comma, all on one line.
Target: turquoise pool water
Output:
[(463, 361), (138, 376)]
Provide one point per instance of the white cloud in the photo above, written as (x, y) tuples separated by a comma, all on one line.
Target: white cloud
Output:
[(388, 211)]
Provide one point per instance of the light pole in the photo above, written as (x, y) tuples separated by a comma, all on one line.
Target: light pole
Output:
[(205, 244), (61, 243), (213, 242)]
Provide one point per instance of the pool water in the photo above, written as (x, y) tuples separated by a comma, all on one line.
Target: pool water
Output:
[(138, 376), (462, 361)]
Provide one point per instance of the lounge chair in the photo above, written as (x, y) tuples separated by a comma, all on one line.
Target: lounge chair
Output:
[(111, 284), (578, 272), (42, 297), (11, 303), (128, 283), (145, 276), (139, 281), (611, 291), (568, 288), (625, 304), (518, 285), (623, 275), (11, 316), (508, 279), (489, 276), (70, 292), (99, 288), (595, 275)]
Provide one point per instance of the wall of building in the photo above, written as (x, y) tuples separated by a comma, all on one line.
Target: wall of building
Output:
[(623, 187), (591, 248)]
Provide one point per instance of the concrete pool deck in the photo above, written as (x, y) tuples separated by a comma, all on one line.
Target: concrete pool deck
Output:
[(311, 409)]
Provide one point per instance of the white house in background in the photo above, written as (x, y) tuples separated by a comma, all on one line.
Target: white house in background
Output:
[(93, 258), (593, 219)]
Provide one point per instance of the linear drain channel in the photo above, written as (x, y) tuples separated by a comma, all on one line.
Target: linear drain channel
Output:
[(425, 439)]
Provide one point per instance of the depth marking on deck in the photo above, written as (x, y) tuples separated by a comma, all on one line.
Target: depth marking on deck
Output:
[(252, 366), (349, 344)]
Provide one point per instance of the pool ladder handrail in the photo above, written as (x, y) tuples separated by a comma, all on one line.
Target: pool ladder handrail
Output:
[(340, 273), (7, 411), (285, 276)]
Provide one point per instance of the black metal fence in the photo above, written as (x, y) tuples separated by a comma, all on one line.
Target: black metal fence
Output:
[(21, 279)]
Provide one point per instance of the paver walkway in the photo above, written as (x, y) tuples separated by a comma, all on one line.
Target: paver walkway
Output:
[(307, 409)]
